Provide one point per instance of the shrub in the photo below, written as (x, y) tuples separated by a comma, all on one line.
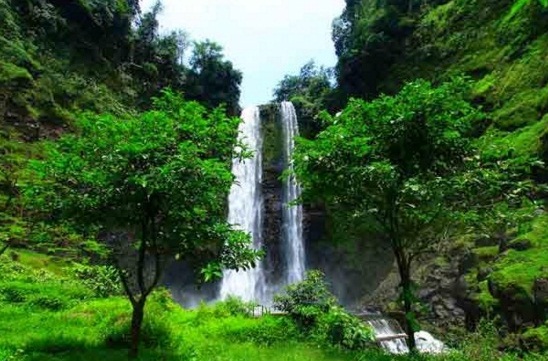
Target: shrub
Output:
[(12, 294), (340, 328), (53, 303), (104, 281), (233, 306), (306, 301), (314, 309)]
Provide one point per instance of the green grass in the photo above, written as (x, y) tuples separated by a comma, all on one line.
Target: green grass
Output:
[(89, 328), (35, 260), (95, 329)]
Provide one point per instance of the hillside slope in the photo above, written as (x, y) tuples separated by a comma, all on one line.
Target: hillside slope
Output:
[(502, 270)]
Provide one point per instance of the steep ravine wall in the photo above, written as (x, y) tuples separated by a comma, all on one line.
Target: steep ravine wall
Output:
[(507, 61)]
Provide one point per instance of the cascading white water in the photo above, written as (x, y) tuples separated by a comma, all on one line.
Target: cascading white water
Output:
[(384, 328), (245, 209), (390, 329), (292, 215)]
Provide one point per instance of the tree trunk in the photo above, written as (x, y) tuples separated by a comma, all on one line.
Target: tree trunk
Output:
[(407, 307), (404, 269), (136, 323)]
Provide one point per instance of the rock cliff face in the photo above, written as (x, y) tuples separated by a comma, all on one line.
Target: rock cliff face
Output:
[(273, 166)]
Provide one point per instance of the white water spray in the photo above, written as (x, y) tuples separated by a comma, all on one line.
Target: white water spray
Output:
[(389, 333), (292, 215), (245, 209)]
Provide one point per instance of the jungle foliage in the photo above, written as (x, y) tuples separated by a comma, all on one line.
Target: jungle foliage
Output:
[(152, 187), (60, 58), (382, 48)]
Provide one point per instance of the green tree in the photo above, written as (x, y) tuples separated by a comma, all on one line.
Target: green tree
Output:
[(310, 91), (155, 188), (369, 37), (395, 163), (156, 60), (312, 81), (14, 156), (211, 79)]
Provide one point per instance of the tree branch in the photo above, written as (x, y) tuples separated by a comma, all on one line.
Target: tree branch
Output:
[(125, 284)]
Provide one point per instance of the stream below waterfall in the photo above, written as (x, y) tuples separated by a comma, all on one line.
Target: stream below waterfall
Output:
[(392, 338)]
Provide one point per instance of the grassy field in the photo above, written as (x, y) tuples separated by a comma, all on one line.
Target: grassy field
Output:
[(46, 315)]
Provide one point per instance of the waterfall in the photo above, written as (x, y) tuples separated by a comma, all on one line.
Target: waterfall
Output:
[(392, 338), (387, 328), (245, 204), (292, 215), (245, 209)]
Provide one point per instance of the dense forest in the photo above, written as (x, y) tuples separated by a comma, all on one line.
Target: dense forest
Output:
[(428, 137)]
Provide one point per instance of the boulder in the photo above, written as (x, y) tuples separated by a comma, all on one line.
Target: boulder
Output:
[(520, 244)]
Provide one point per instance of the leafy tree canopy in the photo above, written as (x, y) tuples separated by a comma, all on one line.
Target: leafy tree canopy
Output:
[(211, 79), (394, 162), (310, 91), (154, 186)]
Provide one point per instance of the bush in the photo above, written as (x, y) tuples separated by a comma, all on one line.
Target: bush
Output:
[(342, 329), (314, 309), (12, 294), (104, 281), (306, 301), (233, 306), (53, 303)]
